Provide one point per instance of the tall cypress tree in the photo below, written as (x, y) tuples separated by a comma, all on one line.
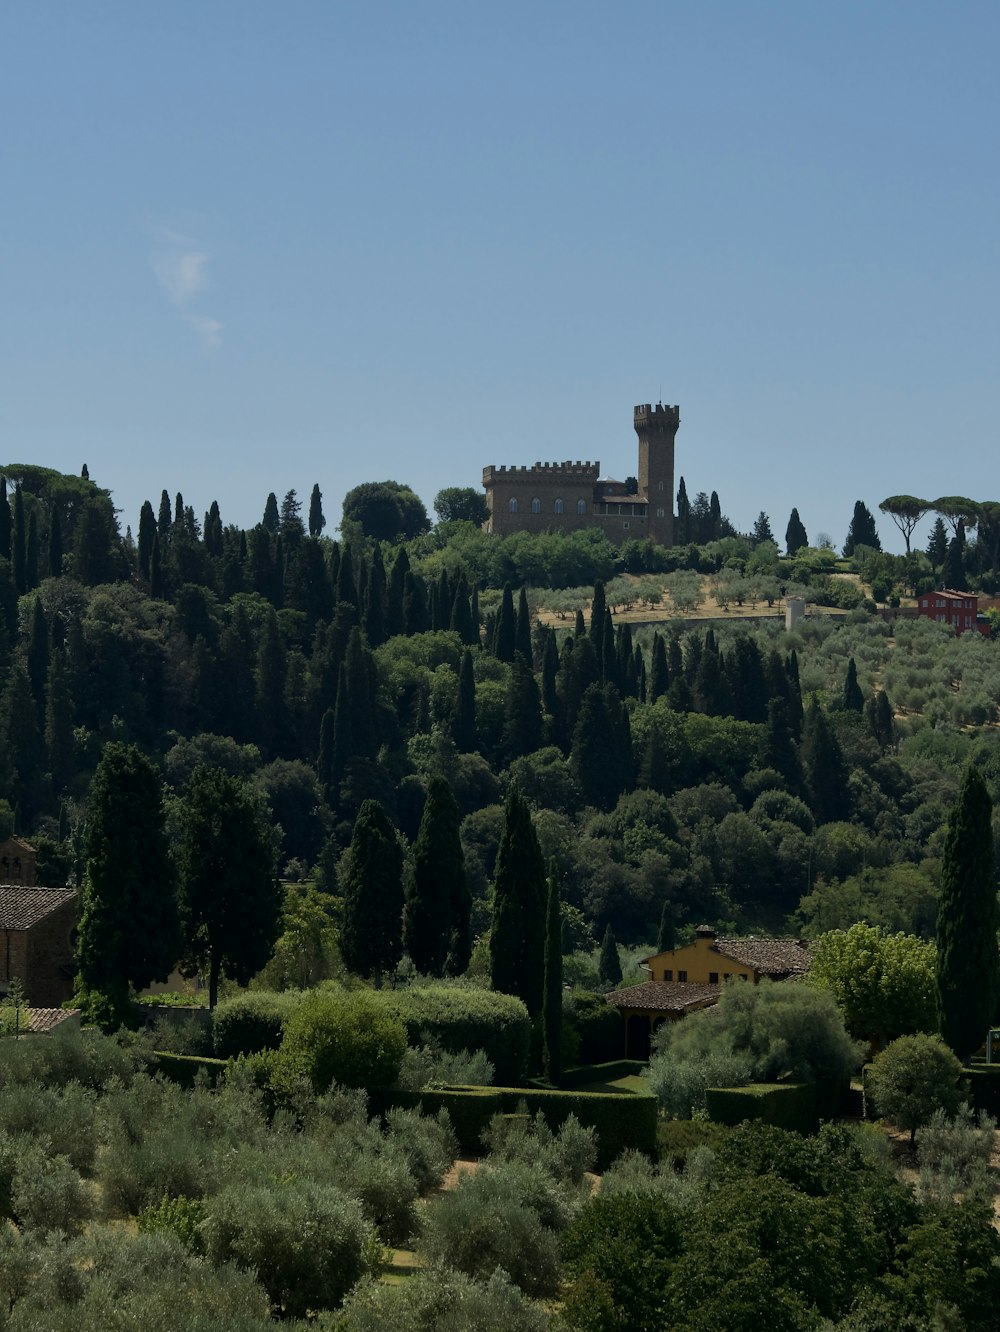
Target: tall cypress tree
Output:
[(602, 747), (609, 965), (463, 728), (522, 627), (394, 595), (6, 522), (517, 940), (550, 670), (316, 520), (552, 1004), (147, 535), (505, 633), (659, 674), (522, 732), (415, 619), (371, 940), (31, 553), (129, 926), (59, 739), (825, 769), (55, 545), (38, 653), (854, 699), (438, 883), (968, 969), (271, 520), (795, 534), (163, 520), (598, 607), (324, 759), (375, 600), (20, 543)]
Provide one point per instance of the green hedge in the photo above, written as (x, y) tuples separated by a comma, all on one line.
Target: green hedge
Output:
[(183, 1069), (611, 1072), (461, 1017), (598, 1026), (251, 1022), (787, 1105), (620, 1119)]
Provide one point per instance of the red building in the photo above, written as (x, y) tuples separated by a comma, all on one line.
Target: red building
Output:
[(958, 609)]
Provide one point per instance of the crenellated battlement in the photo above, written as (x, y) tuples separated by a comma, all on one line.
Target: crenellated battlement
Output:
[(549, 473), (658, 418)]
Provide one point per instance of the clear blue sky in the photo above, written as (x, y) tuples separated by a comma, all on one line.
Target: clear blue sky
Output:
[(248, 246)]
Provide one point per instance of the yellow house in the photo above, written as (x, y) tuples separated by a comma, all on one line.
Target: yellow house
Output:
[(682, 980)]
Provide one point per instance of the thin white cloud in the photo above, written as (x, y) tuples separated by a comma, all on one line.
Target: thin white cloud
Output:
[(209, 331), (180, 264)]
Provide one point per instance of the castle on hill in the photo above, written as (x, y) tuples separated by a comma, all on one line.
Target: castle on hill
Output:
[(571, 495)]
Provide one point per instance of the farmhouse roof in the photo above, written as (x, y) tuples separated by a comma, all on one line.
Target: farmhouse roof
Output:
[(44, 1020), (768, 957), (664, 996), (19, 842), (20, 908)]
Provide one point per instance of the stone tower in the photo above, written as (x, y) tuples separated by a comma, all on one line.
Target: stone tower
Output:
[(657, 428)]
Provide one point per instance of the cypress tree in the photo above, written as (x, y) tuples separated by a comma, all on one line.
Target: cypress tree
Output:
[(414, 606), (522, 733), (324, 759), (607, 657), (463, 727), (747, 680), (316, 520), (31, 554), (505, 633), (147, 535), (579, 628), (163, 518), (825, 769), (598, 607), (476, 619), (438, 883), (129, 927), (862, 531), (937, 545), (796, 712), (954, 566), (968, 969), (517, 939), (461, 614), (38, 653), (55, 546), (22, 754), (522, 627), (375, 601), (342, 739), (854, 699), (666, 938), (712, 693), (568, 692), (552, 1003), (659, 675), (6, 522), (361, 697), (272, 714), (601, 756), (371, 940), (271, 520), (609, 966), (178, 513), (780, 751), (345, 588), (213, 530), (20, 543), (795, 534), (59, 739), (682, 523)]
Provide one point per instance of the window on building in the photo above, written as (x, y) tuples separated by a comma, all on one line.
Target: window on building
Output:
[(559, 506), (682, 975), (625, 524), (713, 978), (668, 974), (536, 506), (660, 486), (581, 506), (727, 975), (659, 513), (512, 505)]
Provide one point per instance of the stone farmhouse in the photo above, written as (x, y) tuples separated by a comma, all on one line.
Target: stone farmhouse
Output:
[(685, 979), (37, 930), (567, 496)]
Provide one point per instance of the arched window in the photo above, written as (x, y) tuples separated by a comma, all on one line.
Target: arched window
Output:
[(512, 506), (659, 513), (581, 506), (536, 506), (559, 506)]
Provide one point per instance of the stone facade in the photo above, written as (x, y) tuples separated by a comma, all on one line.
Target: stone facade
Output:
[(17, 862), (568, 496)]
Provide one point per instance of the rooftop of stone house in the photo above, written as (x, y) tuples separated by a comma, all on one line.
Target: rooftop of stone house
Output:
[(20, 908)]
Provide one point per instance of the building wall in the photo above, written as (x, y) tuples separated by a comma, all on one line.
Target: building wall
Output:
[(17, 863), (958, 611), (41, 956), (697, 963)]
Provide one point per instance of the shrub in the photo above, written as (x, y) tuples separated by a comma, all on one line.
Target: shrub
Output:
[(597, 1025), (181, 1216), (86, 1057), (430, 1066), (251, 1022), (48, 1194), (349, 1039), (458, 1018), (65, 1119), (442, 1298), (787, 1105), (954, 1154), (307, 1242), (484, 1223), (566, 1154)]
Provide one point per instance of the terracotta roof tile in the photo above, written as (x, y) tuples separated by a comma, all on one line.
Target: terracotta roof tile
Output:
[(20, 908), (42, 1020), (665, 996), (768, 957)]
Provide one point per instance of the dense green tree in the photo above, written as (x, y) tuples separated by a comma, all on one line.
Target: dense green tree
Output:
[(22, 753), (601, 756), (316, 520), (272, 713), (862, 531), (438, 890), (31, 553), (461, 504), (372, 930), (825, 769), (59, 739), (795, 534), (505, 632), (854, 699), (954, 566), (55, 545), (937, 544), (523, 730), (147, 532), (912, 1078), (415, 618), (762, 530), (598, 614), (129, 928), (552, 1002), (609, 965), (522, 627), (463, 727), (968, 970), (517, 939), (658, 680), (271, 521), (884, 984), (20, 543), (230, 899), (38, 653), (386, 511)]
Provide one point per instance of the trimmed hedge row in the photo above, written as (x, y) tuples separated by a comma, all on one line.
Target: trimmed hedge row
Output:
[(788, 1105), (620, 1120), (611, 1072), (183, 1069), (461, 1017), (251, 1022)]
